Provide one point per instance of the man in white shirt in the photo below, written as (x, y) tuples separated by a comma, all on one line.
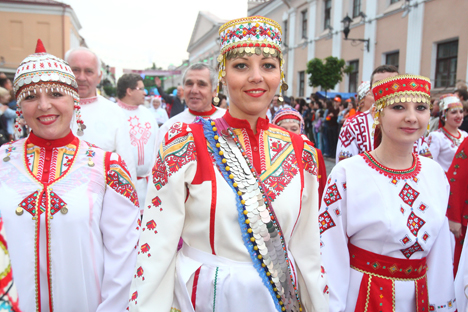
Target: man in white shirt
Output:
[(105, 124), (199, 82), (143, 129)]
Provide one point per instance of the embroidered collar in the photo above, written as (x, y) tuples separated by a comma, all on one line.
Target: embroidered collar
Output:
[(34, 139), (127, 106), (262, 123), (203, 114), (455, 140), (404, 174), (88, 100)]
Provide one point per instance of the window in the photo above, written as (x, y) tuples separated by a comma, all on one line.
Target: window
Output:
[(285, 33), (394, 1), (393, 59), (304, 24), (301, 83), (327, 14), (356, 8), (446, 64), (353, 76)]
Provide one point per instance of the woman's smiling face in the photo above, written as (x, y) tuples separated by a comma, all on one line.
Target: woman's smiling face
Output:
[(252, 82)]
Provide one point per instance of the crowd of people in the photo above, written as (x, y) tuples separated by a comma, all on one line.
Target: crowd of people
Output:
[(199, 201)]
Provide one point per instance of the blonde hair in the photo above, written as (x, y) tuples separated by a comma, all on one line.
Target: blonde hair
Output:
[(4, 92)]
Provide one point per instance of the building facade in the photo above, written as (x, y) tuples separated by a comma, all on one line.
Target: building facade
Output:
[(23, 22), (421, 37)]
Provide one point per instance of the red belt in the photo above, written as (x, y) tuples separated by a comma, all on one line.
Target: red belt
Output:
[(377, 291)]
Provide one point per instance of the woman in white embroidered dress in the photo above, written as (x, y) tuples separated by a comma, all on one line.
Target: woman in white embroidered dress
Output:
[(241, 193), (70, 210), (444, 142), (378, 242)]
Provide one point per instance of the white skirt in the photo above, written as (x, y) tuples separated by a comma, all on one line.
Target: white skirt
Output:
[(222, 284)]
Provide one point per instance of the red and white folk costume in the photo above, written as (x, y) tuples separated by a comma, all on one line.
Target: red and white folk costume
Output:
[(457, 210), (107, 128), (71, 214), (189, 198), (442, 143), (388, 248), (189, 116), (143, 133)]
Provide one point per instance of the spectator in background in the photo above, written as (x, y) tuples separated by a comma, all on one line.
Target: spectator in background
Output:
[(364, 97), (10, 121), (177, 102), (317, 124), (6, 114), (332, 118), (159, 113), (351, 108), (461, 93)]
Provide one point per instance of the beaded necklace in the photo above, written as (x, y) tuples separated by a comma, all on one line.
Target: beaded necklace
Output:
[(456, 141), (396, 174), (261, 232)]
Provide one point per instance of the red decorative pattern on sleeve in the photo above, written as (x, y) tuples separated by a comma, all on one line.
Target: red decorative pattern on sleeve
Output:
[(119, 180)]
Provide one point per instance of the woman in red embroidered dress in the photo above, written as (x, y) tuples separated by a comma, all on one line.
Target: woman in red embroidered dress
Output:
[(242, 194), (384, 235), (70, 210)]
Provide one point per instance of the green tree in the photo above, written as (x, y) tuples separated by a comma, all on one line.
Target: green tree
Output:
[(327, 74)]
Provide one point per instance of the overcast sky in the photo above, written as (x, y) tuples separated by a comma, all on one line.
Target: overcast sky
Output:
[(134, 34)]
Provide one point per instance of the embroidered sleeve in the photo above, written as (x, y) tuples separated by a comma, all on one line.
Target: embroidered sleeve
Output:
[(347, 146), (434, 145), (119, 226), (118, 178), (334, 239), (9, 300), (163, 221), (457, 176)]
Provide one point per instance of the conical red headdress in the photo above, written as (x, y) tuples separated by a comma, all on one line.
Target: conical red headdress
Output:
[(40, 47)]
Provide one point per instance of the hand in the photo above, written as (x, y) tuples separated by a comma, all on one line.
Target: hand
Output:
[(3, 108), (455, 228), (157, 81)]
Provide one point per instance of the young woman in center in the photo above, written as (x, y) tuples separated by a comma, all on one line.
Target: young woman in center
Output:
[(384, 235), (241, 193)]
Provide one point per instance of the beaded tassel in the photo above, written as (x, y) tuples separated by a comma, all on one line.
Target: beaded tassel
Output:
[(79, 121)]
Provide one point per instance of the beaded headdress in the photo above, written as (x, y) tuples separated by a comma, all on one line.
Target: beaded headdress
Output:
[(43, 72), (363, 89), (401, 88), (448, 101), (248, 36), (288, 115)]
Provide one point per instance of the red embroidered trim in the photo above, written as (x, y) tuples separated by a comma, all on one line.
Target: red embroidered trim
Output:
[(411, 172), (203, 114), (127, 106), (194, 289), (88, 100)]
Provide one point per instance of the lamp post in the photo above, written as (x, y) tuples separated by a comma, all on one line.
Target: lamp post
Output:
[(346, 23)]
